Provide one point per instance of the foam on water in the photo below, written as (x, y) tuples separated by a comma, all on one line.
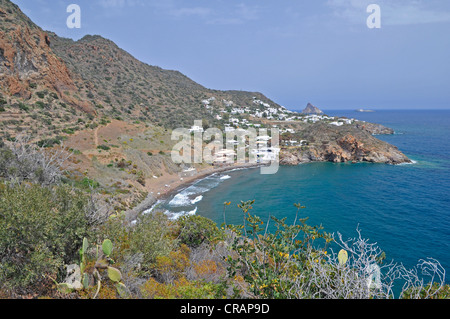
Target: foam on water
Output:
[(184, 202), (197, 199), (175, 216), (180, 200)]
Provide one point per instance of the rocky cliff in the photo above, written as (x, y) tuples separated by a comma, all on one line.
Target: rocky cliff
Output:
[(342, 144), (27, 61)]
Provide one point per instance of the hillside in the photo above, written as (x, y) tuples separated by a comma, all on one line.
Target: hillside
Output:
[(116, 113)]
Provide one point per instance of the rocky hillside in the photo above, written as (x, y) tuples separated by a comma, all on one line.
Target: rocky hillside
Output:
[(119, 85), (116, 113), (28, 63), (90, 81)]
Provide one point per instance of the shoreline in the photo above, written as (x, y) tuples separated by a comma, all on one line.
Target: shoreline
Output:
[(152, 199), (164, 191)]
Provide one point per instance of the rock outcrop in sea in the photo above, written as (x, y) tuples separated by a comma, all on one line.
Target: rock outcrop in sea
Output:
[(311, 109)]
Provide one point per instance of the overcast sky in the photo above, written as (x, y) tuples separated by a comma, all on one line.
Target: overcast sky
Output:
[(293, 51)]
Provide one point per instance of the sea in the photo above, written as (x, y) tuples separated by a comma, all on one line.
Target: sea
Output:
[(403, 209)]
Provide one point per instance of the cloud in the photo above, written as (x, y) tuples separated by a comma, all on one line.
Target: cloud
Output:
[(400, 12)]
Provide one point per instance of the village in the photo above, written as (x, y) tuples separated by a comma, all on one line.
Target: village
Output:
[(236, 120)]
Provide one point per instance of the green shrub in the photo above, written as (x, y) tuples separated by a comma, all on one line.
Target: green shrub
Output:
[(41, 94), (152, 237), (49, 142), (41, 229), (87, 183), (40, 104), (103, 147), (194, 230), (69, 131), (24, 107)]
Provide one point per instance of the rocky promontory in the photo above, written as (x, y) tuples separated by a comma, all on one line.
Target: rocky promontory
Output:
[(350, 143)]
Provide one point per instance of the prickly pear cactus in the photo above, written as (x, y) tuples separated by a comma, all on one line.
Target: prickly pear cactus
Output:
[(85, 245), (114, 274), (107, 247)]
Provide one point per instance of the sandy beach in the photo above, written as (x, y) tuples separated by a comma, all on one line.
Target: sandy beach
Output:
[(167, 185)]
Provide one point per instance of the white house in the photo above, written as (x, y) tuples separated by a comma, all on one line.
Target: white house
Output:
[(196, 129)]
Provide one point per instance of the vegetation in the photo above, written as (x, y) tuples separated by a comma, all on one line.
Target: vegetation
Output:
[(58, 241), (40, 229), (22, 161)]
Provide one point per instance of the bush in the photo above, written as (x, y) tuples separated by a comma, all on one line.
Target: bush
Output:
[(24, 161), (153, 237), (41, 94), (181, 289), (104, 147), (40, 104), (41, 230), (49, 143), (194, 230), (24, 107)]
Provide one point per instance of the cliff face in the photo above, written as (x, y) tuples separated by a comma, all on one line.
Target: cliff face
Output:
[(27, 60)]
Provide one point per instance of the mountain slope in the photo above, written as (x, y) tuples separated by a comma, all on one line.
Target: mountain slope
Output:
[(90, 79), (27, 62), (120, 85)]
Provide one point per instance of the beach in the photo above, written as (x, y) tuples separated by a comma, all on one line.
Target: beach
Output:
[(167, 185)]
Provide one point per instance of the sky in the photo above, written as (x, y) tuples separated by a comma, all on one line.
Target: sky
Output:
[(293, 51)]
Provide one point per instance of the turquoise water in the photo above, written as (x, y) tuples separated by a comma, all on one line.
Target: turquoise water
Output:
[(405, 209)]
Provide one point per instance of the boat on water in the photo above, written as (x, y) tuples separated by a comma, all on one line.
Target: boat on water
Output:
[(364, 111)]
